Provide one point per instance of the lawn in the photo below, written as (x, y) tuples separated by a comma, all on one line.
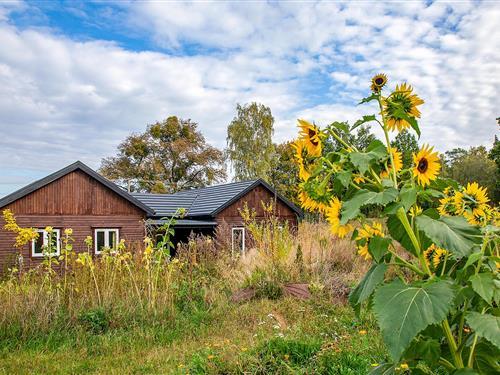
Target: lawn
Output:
[(257, 337)]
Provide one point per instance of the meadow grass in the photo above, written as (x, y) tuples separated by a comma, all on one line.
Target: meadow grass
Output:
[(137, 313)]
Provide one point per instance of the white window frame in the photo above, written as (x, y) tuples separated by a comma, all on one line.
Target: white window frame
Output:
[(242, 229), (45, 236), (106, 238)]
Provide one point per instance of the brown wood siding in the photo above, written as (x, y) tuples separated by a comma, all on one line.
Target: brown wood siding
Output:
[(75, 201), (254, 199), (131, 229), (74, 194)]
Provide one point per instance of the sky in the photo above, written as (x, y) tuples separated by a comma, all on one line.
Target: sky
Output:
[(77, 77)]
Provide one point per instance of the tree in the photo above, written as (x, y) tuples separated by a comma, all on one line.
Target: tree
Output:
[(284, 174), (169, 156), (495, 156), (473, 165), (250, 148), (407, 144), (360, 140)]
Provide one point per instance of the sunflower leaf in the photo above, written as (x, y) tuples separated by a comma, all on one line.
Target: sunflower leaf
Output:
[(368, 99), (485, 325), (399, 112), (454, 234), (402, 310), (350, 208), (344, 126), (365, 119), (365, 288)]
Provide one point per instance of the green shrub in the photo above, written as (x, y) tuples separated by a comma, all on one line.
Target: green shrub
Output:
[(95, 321)]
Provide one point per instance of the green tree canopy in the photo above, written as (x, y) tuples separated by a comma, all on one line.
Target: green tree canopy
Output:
[(361, 139), (169, 156), (407, 144), (250, 148), (473, 165), (284, 174)]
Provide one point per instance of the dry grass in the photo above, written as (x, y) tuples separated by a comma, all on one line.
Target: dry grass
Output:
[(111, 298)]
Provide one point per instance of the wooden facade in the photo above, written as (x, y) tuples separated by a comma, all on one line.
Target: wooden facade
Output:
[(77, 201), (77, 197), (254, 199)]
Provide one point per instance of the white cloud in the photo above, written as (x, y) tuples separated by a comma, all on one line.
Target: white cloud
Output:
[(64, 99)]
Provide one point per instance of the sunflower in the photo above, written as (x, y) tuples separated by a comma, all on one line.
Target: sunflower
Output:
[(434, 255), (402, 99), (364, 236), (300, 148), (358, 179), (333, 217), (310, 204), (398, 163), (427, 165), (447, 204), (311, 135), (474, 197), (415, 211), (378, 81)]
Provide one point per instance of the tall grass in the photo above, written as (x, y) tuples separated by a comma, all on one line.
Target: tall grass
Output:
[(121, 289)]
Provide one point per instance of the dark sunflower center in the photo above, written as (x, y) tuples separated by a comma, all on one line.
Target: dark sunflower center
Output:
[(312, 135), (379, 81), (422, 166)]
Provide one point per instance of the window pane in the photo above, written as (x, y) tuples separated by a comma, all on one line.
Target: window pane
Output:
[(112, 239), (238, 240), (100, 240), (38, 244)]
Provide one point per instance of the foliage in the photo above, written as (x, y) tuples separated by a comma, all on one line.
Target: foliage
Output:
[(169, 156), (111, 309), (250, 148), (284, 175), (441, 311), (472, 165), (360, 139)]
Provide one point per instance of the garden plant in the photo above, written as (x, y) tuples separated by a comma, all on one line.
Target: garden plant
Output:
[(439, 313)]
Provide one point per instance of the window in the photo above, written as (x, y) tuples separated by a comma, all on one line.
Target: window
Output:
[(40, 245), (238, 239), (105, 238)]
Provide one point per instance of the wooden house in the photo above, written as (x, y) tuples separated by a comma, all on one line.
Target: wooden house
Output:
[(79, 198)]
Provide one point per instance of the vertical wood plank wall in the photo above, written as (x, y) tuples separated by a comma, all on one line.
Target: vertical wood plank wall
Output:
[(75, 201), (253, 199)]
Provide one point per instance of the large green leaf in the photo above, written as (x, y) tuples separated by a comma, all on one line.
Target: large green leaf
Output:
[(374, 152), (378, 247), (485, 325), (403, 311), (366, 287), (408, 196), (423, 348), (350, 208), (487, 359), (483, 284), (454, 234), (365, 119)]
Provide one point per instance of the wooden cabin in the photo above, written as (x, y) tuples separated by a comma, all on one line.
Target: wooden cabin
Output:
[(79, 198)]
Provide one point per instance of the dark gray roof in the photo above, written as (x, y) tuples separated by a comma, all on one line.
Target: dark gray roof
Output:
[(166, 204), (207, 201), (78, 165), (185, 223)]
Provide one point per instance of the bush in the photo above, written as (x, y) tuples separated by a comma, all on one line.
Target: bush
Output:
[(95, 321)]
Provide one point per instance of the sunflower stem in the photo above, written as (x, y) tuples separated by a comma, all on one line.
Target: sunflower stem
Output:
[(401, 214), (388, 142)]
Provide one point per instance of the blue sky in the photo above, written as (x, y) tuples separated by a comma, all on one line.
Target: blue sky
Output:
[(77, 77)]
